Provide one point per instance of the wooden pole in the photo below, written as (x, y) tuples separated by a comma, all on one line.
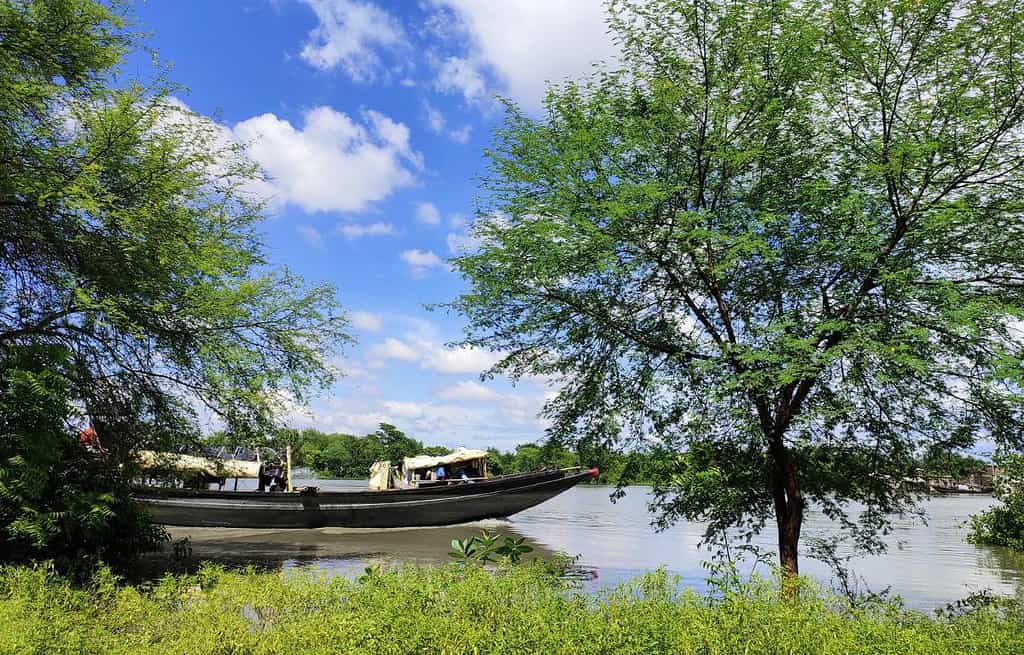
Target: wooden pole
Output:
[(287, 468)]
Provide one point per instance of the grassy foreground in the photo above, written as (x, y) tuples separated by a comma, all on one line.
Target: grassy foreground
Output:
[(457, 609)]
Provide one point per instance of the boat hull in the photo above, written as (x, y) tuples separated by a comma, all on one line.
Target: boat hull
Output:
[(443, 505)]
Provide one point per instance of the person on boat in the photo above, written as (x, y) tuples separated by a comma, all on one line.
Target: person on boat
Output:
[(440, 474), (271, 478)]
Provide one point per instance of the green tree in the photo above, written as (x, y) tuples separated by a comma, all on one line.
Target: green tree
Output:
[(527, 457), (394, 443), (1003, 524), (343, 455), (499, 463), (350, 456), (784, 241), (945, 462), (130, 256)]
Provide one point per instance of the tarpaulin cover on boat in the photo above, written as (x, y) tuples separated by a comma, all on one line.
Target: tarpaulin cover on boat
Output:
[(218, 468), (430, 461), (380, 476), (382, 472)]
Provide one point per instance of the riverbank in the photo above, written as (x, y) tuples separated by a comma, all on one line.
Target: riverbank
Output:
[(460, 609), (927, 564)]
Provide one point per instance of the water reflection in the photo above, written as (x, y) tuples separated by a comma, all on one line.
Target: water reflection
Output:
[(928, 565), (1007, 564), (425, 545)]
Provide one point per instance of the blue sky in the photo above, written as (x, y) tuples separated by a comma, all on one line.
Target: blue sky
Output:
[(370, 119)]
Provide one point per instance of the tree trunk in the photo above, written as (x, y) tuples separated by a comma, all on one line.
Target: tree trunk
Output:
[(789, 513), (789, 523)]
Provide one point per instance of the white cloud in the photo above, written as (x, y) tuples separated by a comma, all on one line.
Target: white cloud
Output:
[(524, 44), (435, 119), (478, 426), (175, 114), (465, 359), (367, 321), (392, 348), (437, 123), (456, 221), (458, 75), (427, 213), (345, 415), (405, 409), (503, 423), (460, 244), (356, 230), (432, 356), (311, 235), (331, 163), (395, 134), (461, 135), (468, 390), (513, 47), (348, 35), (460, 412), (420, 261)]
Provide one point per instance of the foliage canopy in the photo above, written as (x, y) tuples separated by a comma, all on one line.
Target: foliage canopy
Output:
[(133, 285), (783, 242), (1003, 524)]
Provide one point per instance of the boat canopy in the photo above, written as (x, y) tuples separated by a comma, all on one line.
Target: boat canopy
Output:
[(430, 461), (385, 476), (216, 468)]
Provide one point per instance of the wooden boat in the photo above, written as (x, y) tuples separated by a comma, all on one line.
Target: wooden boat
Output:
[(437, 503)]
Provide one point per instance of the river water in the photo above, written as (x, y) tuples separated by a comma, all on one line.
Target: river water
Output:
[(927, 564)]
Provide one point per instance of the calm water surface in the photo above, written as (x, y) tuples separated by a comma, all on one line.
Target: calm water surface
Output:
[(928, 565)]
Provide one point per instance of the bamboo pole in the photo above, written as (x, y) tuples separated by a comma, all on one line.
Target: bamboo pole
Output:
[(287, 468)]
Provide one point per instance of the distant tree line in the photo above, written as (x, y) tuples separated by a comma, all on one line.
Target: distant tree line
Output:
[(341, 455), (939, 462)]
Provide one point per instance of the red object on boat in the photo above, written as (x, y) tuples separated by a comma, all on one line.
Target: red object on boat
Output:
[(593, 472), (88, 438)]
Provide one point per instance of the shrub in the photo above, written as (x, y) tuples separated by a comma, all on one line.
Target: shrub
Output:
[(58, 501), (459, 608), (1003, 524)]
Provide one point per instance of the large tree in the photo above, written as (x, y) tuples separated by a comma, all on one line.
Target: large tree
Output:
[(783, 242), (133, 284)]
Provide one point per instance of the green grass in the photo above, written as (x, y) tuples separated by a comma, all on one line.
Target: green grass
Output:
[(459, 609)]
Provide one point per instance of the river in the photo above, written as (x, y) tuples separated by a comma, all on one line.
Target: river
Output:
[(928, 565)]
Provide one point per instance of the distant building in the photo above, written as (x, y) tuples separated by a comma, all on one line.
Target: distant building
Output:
[(983, 481)]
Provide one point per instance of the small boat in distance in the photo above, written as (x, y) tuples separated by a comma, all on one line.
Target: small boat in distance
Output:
[(423, 491)]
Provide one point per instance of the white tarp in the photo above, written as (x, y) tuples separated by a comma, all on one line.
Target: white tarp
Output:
[(217, 468), (380, 475), (430, 461)]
